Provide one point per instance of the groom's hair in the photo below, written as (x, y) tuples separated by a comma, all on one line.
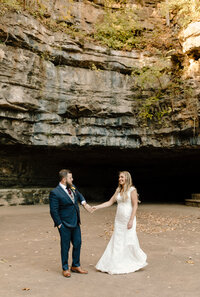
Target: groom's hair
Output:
[(63, 173)]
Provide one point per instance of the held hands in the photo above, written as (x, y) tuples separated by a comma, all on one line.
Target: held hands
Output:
[(94, 208), (88, 207)]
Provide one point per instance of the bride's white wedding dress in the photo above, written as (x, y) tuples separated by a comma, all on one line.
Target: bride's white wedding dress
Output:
[(123, 253)]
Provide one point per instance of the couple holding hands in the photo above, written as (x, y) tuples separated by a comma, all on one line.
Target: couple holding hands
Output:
[(123, 253)]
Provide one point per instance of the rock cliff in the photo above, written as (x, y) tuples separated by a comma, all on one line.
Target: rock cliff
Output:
[(63, 93), (56, 91)]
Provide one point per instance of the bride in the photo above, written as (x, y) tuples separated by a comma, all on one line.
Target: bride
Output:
[(123, 253)]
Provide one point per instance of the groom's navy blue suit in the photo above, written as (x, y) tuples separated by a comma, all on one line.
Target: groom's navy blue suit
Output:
[(66, 212)]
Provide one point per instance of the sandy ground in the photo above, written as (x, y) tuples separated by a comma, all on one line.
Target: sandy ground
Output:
[(30, 254)]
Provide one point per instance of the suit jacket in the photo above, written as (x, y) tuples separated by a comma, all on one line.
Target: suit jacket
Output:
[(62, 209)]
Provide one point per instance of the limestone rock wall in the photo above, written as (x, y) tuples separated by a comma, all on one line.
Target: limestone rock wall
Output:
[(24, 196), (56, 92)]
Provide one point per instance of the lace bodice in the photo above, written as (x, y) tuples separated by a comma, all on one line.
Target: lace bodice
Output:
[(124, 208), (128, 200)]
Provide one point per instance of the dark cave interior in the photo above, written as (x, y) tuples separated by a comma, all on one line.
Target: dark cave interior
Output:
[(160, 175)]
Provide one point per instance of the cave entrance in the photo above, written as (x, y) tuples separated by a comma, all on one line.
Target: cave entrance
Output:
[(160, 175)]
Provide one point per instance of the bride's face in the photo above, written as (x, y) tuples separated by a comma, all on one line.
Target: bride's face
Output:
[(122, 179)]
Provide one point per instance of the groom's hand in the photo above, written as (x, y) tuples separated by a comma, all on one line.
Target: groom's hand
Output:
[(87, 207)]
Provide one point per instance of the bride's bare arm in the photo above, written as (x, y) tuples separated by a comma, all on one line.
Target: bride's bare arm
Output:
[(105, 204), (134, 200)]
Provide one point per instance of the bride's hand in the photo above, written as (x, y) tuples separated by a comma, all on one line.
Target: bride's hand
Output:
[(94, 208), (130, 224)]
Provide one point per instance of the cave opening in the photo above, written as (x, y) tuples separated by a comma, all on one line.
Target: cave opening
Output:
[(160, 175)]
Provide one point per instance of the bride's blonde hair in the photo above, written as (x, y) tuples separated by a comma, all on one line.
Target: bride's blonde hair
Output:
[(128, 184)]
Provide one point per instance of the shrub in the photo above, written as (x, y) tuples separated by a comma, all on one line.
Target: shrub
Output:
[(119, 30)]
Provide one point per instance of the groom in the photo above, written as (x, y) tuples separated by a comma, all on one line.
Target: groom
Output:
[(64, 210)]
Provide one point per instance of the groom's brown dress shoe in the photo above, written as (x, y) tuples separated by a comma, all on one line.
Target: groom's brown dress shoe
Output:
[(66, 273), (79, 270)]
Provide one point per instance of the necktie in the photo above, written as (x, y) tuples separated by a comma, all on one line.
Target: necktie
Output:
[(70, 193)]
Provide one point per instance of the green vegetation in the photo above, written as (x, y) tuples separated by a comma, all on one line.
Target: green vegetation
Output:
[(125, 28), (94, 67), (119, 30), (158, 87), (35, 7), (149, 79), (151, 109), (183, 12), (6, 5), (40, 11), (120, 27)]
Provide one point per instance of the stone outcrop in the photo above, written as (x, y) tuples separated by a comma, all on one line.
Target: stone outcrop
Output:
[(55, 92), (190, 38), (24, 196), (193, 201)]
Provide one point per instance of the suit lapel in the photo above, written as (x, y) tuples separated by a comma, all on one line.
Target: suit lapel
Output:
[(64, 193)]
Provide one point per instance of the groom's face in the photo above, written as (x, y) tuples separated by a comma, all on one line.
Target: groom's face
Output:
[(69, 179)]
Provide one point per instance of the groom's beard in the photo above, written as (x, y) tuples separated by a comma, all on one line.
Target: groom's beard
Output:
[(68, 185)]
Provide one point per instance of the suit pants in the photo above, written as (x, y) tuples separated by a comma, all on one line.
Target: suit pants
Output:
[(68, 235)]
